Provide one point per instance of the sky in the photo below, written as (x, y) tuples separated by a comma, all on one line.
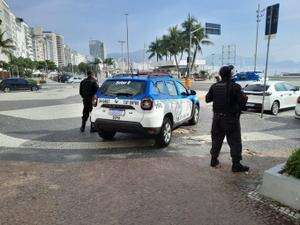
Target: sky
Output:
[(82, 20)]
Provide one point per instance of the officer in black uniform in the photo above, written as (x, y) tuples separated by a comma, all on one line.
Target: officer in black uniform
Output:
[(228, 99), (88, 89)]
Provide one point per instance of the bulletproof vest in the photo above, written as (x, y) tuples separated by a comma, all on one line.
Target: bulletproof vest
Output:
[(87, 88), (223, 98)]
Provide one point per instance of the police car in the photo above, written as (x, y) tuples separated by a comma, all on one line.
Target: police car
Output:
[(152, 105)]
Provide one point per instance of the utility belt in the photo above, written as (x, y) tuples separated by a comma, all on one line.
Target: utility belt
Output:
[(231, 115)]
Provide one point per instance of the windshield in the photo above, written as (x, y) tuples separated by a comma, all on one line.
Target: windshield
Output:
[(122, 88), (256, 87)]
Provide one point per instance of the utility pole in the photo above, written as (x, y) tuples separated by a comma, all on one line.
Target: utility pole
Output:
[(259, 14), (127, 42), (213, 61), (122, 51), (144, 58)]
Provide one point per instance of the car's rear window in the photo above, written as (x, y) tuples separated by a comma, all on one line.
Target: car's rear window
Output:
[(256, 87), (122, 88)]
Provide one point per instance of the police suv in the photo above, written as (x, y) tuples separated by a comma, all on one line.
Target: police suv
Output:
[(149, 104)]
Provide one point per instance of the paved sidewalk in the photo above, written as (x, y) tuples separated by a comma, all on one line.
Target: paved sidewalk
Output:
[(150, 189)]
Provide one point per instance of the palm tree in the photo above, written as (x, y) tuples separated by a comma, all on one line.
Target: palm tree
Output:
[(6, 45), (175, 44), (198, 38), (155, 50)]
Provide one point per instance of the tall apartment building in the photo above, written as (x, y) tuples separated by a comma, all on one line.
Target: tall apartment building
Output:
[(60, 50), (39, 44), (97, 49), (51, 46)]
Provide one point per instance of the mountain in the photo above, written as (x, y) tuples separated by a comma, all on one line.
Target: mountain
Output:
[(242, 62), (136, 56)]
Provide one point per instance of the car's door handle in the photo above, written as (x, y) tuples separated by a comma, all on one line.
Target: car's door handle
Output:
[(281, 95), (290, 94)]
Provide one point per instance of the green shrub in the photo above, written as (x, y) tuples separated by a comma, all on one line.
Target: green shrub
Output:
[(292, 166)]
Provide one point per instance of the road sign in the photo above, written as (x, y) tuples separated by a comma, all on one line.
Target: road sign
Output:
[(272, 19), (213, 28), (271, 30)]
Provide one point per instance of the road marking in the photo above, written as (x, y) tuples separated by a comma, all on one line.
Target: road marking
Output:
[(248, 136), (47, 112), (12, 142), (56, 94)]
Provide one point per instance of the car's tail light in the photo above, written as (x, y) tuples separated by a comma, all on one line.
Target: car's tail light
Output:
[(298, 100), (147, 104)]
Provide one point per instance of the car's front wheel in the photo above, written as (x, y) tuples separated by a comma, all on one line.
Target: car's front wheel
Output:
[(164, 137), (275, 108), (196, 114), (106, 135)]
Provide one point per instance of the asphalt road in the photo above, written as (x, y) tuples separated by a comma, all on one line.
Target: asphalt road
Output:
[(50, 173)]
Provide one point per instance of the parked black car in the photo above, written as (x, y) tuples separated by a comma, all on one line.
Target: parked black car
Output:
[(12, 84)]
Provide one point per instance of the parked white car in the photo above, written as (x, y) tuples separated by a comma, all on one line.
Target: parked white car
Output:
[(297, 109), (279, 95), (75, 80)]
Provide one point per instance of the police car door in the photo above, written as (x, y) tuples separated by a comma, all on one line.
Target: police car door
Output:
[(185, 101), (177, 105)]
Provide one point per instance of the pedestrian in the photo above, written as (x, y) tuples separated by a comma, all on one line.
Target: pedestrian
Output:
[(228, 99), (88, 89)]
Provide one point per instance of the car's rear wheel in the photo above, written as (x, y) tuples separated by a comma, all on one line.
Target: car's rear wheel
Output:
[(6, 89), (275, 108), (164, 137), (106, 135), (34, 88), (196, 115)]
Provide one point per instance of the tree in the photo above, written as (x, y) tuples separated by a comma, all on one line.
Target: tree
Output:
[(198, 37), (175, 44), (155, 50), (50, 65), (109, 61), (6, 45), (83, 67)]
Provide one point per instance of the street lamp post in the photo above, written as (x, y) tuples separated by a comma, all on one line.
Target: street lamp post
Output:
[(189, 54), (122, 51), (127, 42)]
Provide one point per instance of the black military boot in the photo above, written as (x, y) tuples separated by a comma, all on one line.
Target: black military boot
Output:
[(214, 162), (238, 167), (82, 128), (93, 128)]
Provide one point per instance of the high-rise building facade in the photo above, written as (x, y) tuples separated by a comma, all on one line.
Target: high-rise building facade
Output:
[(39, 44), (60, 50), (51, 46), (97, 49), (34, 43)]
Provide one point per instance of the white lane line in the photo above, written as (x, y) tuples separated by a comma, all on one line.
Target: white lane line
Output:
[(248, 136), (55, 94), (47, 112), (11, 142)]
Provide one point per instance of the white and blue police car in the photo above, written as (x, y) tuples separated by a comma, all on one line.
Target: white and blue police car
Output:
[(153, 105)]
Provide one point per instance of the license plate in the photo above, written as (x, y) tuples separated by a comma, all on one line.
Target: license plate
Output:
[(250, 104), (117, 112)]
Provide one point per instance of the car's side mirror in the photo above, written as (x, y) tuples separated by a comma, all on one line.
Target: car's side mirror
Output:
[(184, 93), (192, 92)]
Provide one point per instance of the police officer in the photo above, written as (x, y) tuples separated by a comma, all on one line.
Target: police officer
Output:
[(228, 99), (88, 89)]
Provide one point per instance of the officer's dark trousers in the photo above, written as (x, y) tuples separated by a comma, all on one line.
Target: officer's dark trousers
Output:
[(87, 109), (229, 126)]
